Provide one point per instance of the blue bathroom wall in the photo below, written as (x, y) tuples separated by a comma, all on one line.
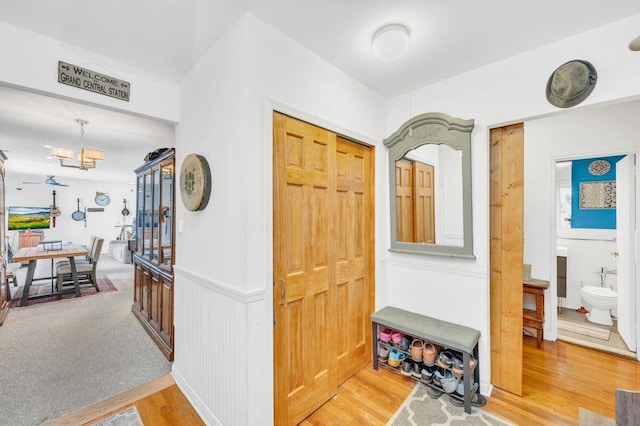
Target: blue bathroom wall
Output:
[(591, 218)]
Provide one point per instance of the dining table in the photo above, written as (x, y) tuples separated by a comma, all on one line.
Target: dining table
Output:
[(42, 252)]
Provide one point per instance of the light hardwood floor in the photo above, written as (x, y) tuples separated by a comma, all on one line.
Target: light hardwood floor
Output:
[(558, 378)]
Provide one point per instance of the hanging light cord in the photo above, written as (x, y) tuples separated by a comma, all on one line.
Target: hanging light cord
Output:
[(410, 99), (82, 122)]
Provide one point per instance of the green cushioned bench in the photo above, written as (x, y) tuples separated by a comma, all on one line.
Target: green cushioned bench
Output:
[(442, 333)]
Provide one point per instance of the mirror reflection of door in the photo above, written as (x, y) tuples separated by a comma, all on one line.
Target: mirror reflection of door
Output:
[(429, 196), (415, 202), (404, 200), (424, 203)]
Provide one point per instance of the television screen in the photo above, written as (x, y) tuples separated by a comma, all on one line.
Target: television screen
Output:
[(21, 218)]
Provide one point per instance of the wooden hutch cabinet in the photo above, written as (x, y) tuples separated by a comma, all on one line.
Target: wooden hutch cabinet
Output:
[(154, 254), (4, 285)]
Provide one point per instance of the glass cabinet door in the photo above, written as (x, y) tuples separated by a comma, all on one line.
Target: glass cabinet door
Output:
[(146, 215), (155, 215), (3, 233), (139, 215), (166, 213)]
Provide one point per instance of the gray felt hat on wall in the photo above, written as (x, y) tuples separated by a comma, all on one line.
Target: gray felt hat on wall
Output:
[(571, 83)]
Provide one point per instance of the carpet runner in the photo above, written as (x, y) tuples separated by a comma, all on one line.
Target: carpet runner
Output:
[(40, 289), (420, 409)]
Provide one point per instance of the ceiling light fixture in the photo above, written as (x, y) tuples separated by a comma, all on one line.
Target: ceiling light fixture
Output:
[(635, 44), (86, 159), (390, 42)]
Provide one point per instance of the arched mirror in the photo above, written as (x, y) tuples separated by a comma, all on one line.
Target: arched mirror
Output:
[(430, 186)]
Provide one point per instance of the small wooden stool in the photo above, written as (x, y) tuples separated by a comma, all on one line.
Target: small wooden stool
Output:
[(531, 318)]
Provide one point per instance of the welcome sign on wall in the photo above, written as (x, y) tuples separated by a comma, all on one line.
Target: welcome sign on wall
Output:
[(82, 78)]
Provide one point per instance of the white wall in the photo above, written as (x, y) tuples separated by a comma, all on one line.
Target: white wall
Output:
[(503, 92), (223, 313), (102, 224), (581, 133), (30, 61)]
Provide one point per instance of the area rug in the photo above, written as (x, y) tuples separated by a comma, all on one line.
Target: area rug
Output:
[(104, 284), (128, 417), (585, 329), (420, 409)]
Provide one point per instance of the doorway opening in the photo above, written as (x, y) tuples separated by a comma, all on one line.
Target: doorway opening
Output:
[(595, 219)]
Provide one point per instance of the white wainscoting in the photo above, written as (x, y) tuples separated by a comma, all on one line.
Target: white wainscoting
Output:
[(211, 346)]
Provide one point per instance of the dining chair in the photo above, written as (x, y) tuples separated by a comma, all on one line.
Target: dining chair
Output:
[(89, 247), (81, 259), (86, 271)]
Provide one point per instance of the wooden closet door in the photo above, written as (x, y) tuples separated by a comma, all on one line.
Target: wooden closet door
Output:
[(323, 236), (304, 268), (353, 224)]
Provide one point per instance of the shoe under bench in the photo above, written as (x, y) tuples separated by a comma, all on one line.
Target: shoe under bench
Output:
[(442, 333)]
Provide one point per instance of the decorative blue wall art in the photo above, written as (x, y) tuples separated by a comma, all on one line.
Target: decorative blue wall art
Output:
[(593, 192)]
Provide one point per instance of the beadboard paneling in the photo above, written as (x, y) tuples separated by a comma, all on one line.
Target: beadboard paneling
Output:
[(210, 364)]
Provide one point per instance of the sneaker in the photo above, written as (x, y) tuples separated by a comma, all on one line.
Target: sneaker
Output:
[(460, 388), (477, 400), (427, 374), (445, 359), (396, 337), (383, 351), (438, 375), (434, 393), (417, 367), (407, 368), (406, 343), (385, 335), (457, 366), (449, 382)]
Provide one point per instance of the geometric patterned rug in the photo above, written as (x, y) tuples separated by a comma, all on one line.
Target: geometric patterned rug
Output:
[(420, 409), (128, 417), (104, 284)]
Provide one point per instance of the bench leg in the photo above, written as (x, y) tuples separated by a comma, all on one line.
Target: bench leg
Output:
[(466, 360), (374, 341)]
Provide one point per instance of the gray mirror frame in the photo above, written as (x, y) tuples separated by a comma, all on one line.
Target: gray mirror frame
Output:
[(433, 128)]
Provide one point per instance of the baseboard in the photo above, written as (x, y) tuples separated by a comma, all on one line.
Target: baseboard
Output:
[(486, 388), (203, 411)]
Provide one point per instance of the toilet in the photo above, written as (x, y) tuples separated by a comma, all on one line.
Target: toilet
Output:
[(601, 300)]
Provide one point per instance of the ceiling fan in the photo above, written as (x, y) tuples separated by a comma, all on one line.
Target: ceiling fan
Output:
[(48, 181)]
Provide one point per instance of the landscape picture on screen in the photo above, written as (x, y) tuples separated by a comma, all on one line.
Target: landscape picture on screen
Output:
[(22, 218)]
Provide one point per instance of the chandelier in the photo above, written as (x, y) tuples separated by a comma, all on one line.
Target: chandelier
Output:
[(87, 157)]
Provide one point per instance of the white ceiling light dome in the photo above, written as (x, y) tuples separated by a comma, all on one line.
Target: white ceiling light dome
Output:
[(390, 42)]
